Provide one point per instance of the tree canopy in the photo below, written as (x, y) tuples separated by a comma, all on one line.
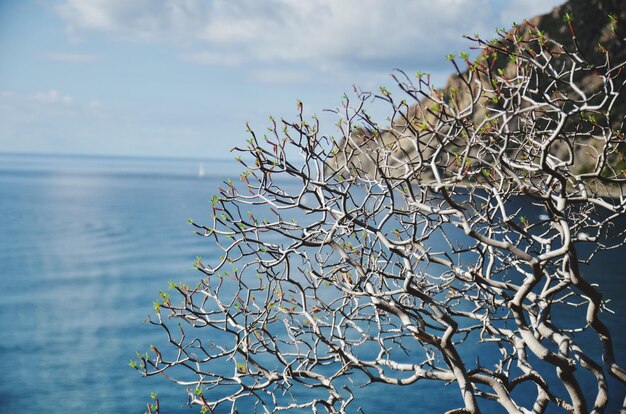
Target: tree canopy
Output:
[(444, 247)]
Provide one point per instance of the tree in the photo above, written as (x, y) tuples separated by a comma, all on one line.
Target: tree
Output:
[(444, 248)]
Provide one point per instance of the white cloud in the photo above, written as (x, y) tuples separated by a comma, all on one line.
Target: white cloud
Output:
[(323, 31), (51, 101), (72, 57), (48, 121), (137, 19), (53, 96), (316, 32)]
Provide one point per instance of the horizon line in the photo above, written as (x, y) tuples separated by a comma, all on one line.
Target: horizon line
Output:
[(123, 156)]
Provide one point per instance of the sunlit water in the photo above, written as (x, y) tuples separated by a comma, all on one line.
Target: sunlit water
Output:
[(86, 244)]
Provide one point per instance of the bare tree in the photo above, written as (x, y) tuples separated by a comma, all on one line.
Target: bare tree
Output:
[(446, 247)]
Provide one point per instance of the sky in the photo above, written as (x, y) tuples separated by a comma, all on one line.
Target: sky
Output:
[(180, 78)]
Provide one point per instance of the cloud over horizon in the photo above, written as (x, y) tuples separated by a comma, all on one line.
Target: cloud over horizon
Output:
[(320, 33), (53, 96)]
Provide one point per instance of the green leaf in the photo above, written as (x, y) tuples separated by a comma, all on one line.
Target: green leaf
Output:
[(613, 21), (569, 16)]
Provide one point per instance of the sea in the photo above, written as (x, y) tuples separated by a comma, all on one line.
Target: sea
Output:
[(86, 244)]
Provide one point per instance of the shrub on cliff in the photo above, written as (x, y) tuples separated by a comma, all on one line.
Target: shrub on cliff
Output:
[(445, 247)]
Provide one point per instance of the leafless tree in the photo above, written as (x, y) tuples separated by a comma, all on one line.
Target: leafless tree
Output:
[(445, 247)]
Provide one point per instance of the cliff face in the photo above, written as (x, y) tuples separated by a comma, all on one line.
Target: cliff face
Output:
[(592, 24), (598, 24), (596, 31)]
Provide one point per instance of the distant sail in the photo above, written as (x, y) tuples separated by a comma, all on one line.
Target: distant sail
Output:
[(201, 171)]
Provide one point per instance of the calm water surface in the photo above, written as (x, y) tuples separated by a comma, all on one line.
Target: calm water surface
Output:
[(86, 244)]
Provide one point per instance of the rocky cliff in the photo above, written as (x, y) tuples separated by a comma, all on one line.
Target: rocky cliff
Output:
[(582, 38), (599, 26)]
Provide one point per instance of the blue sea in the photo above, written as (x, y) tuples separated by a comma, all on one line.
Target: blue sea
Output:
[(85, 245)]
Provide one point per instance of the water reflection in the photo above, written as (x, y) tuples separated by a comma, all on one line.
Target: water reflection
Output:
[(85, 244)]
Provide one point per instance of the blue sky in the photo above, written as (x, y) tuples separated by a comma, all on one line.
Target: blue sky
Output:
[(181, 77)]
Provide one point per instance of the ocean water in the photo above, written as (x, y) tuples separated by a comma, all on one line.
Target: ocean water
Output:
[(85, 245)]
